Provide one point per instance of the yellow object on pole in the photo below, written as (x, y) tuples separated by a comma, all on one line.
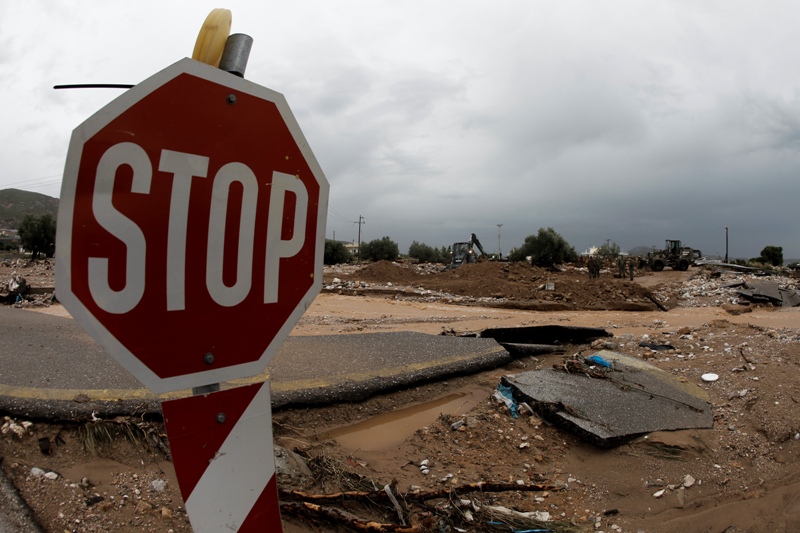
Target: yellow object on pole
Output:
[(211, 39)]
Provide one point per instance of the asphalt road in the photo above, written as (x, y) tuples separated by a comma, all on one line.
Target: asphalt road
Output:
[(51, 368)]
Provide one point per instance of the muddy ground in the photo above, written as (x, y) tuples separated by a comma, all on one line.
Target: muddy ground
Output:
[(743, 473)]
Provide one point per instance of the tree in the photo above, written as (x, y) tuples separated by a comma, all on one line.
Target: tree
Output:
[(336, 253), (609, 250), (427, 254), (380, 249), (38, 234), (545, 249), (772, 255)]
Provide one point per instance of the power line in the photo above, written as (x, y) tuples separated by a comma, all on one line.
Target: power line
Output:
[(338, 216), (48, 180)]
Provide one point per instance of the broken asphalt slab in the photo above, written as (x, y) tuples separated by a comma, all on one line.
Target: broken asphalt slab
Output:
[(549, 334), (53, 369), (540, 340), (368, 363), (770, 292), (633, 399)]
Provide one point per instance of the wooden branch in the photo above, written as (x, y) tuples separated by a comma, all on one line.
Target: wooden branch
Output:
[(337, 515), (380, 495), (480, 486)]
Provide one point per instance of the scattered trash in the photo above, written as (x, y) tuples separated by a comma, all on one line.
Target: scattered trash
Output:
[(598, 360), (539, 516), (504, 394), (709, 377), (11, 426), (38, 472), (423, 467)]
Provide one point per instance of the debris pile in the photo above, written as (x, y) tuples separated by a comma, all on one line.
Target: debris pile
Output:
[(25, 283), (717, 289)]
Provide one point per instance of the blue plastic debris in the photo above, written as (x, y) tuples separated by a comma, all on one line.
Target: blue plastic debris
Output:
[(599, 361), (506, 395)]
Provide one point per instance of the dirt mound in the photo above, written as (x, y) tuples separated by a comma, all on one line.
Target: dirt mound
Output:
[(518, 282), (387, 272)]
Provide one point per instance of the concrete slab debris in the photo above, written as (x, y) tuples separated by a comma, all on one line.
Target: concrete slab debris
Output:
[(608, 407), (764, 291)]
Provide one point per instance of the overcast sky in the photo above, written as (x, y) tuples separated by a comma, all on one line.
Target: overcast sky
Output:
[(631, 121)]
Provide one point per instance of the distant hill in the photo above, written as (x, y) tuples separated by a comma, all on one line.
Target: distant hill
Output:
[(15, 204)]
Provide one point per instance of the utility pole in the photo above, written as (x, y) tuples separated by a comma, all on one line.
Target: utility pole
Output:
[(499, 248), (360, 221), (726, 244)]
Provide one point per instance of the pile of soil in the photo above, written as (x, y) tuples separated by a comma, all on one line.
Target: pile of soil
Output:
[(513, 285)]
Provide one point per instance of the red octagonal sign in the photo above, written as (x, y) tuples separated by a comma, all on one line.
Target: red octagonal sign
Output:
[(191, 227)]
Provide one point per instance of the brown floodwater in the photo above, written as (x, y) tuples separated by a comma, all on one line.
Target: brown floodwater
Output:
[(389, 430)]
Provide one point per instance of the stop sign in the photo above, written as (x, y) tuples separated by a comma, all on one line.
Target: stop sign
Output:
[(191, 227)]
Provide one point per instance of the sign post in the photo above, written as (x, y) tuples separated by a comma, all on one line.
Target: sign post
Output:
[(191, 232)]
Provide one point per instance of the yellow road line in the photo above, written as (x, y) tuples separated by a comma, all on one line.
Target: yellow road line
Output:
[(109, 395)]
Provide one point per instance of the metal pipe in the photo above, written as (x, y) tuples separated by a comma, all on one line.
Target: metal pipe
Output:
[(236, 53)]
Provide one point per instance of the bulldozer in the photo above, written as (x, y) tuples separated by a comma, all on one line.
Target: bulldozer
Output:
[(464, 252), (674, 255)]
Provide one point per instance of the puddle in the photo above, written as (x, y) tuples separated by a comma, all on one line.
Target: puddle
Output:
[(389, 430), (100, 471)]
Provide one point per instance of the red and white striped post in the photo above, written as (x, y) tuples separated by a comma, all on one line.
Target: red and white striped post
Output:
[(221, 445)]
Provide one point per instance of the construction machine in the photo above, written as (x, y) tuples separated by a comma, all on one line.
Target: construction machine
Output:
[(464, 252), (674, 255)]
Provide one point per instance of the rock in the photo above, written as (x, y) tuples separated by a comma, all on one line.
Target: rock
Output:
[(158, 485), (735, 309), (143, 507), (290, 466), (94, 500), (688, 481), (166, 514)]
